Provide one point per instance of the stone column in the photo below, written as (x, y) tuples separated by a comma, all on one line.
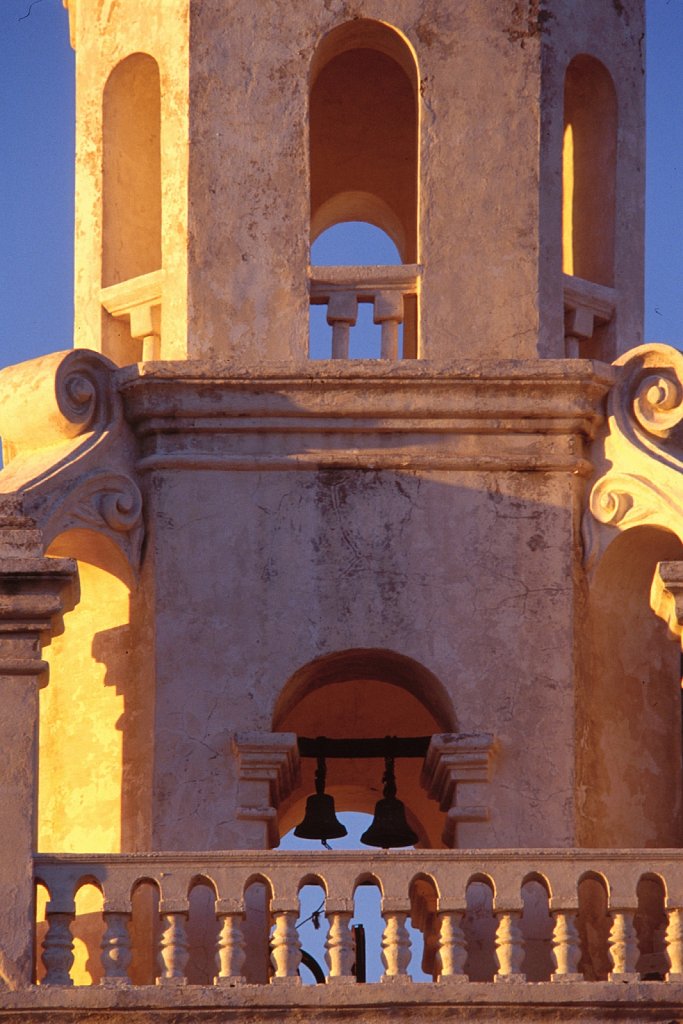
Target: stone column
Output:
[(34, 593)]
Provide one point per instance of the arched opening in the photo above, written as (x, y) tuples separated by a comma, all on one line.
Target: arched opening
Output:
[(650, 922), (589, 163), (145, 933), (629, 705), (359, 694), (537, 928), (87, 930), (594, 924), (479, 927), (353, 243), (203, 929), (81, 736), (364, 159), (131, 185)]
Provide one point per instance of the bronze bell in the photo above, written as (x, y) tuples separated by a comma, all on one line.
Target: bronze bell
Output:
[(320, 820), (389, 827)]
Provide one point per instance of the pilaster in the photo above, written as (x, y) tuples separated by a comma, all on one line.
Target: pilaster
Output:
[(34, 593), (268, 772), (454, 763)]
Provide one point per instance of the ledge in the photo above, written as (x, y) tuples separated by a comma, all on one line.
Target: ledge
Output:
[(353, 1001), (366, 414)]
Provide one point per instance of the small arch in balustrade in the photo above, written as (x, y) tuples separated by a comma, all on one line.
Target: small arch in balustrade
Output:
[(313, 879), (203, 929), (145, 931), (479, 927), (537, 928), (87, 930), (368, 893), (258, 891), (594, 924), (313, 928), (424, 918), (650, 921), (367, 879)]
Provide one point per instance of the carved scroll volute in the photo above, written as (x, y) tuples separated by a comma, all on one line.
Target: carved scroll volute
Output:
[(72, 454), (55, 398), (85, 393), (639, 452), (649, 395)]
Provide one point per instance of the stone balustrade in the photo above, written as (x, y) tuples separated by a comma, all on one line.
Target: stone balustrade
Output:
[(342, 288), (427, 887)]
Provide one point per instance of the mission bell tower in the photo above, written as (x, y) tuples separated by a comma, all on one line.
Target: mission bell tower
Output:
[(468, 541)]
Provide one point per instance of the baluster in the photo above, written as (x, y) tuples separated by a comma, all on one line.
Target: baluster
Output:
[(674, 945), (452, 947), (57, 953), (395, 943), (388, 311), (285, 945), (509, 947), (342, 311), (566, 947), (231, 945), (623, 946), (339, 946), (115, 946), (174, 949)]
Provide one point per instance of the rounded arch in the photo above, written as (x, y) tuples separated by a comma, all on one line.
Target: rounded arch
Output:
[(481, 878), (368, 878), (536, 876), (365, 33), (96, 549), (364, 130), (379, 664), (362, 693), (358, 206), (258, 878), (628, 762), (202, 880), (313, 879)]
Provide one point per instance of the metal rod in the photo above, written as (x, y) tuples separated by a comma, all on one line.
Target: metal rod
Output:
[(385, 746)]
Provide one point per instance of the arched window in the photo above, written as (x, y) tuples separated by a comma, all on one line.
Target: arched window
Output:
[(131, 203), (589, 171), (364, 167)]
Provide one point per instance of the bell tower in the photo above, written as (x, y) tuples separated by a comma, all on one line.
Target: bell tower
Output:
[(284, 560), (499, 148)]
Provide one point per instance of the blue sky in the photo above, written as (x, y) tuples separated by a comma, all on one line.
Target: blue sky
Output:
[(36, 176)]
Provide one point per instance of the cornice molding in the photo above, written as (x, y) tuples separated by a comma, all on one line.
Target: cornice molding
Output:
[(410, 415)]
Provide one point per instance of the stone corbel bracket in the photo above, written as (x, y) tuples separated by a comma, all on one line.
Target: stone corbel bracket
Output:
[(269, 769), (638, 454), (455, 759), (68, 451)]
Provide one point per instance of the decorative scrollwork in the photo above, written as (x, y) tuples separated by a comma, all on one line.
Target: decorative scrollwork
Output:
[(83, 389), (609, 504), (649, 394), (104, 502), (639, 452), (121, 508)]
